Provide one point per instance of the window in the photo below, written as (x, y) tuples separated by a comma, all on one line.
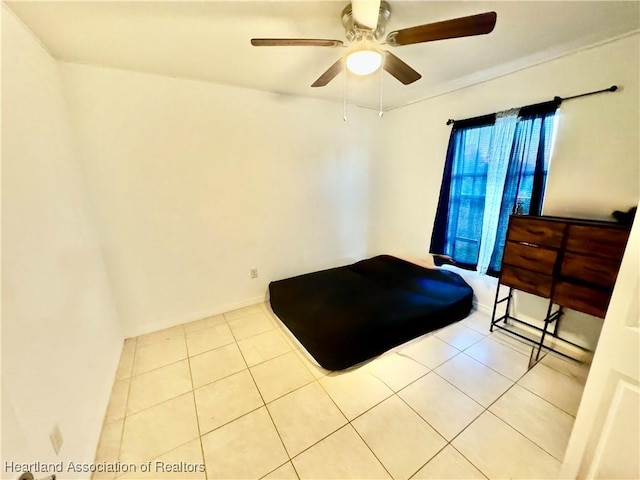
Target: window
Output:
[(494, 167)]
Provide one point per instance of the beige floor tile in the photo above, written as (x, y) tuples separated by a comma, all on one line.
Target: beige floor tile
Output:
[(243, 312), (118, 401), (342, 455), (533, 335), (159, 354), (517, 344), (109, 444), (501, 358), (216, 364), (228, 405), (475, 379), (559, 389), (538, 420), (273, 318), (499, 451), (108, 448), (316, 370), (284, 330), (125, 367), (477, 321), (280, 375), (263, 346), (208, 338), (285, 472), (129, 345), (430, 351), (183, 463), (204, 323), (459, 336), (449, 464), (159, 385), (248, 447), (355, 392), (160, 335), (442, 405), (249, 325), (305, 416), (577, 370), (155, 431), (399, 438), (396, 371), (225, 400), (288, 336), (572, 355)]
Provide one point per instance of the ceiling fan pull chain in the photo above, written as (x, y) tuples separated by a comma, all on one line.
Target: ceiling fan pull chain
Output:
[(344, 106), (381, 111)]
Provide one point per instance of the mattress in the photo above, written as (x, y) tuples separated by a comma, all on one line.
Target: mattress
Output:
[(346, 315)]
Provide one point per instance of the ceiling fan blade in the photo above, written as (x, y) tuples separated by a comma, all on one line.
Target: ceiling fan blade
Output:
[(400, 70), (480, 24), (366, 12), (330, 74), (295, 42)]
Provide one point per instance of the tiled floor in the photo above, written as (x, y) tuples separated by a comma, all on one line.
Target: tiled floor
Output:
[(234, 393)]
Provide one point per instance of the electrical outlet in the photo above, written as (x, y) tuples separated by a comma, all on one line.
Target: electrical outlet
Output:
[(254, 273), (56, 439)]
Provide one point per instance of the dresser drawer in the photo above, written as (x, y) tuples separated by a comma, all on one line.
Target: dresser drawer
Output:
[(535, 231), (590, 269), (603, 242), (530, 257), (526, 280), (583, 299)]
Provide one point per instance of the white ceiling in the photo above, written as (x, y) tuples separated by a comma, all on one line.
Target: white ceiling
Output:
[(209, 40)]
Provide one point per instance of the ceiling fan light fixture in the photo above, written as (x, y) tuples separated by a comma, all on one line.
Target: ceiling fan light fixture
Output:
[(364, 62)]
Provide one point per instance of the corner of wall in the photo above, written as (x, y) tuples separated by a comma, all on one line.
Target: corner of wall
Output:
[(61, 338)]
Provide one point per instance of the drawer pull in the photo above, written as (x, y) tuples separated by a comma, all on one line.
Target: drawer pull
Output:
[(527, 258), (535, 232)]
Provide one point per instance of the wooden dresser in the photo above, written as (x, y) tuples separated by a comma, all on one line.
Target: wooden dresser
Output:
[(574, 263)]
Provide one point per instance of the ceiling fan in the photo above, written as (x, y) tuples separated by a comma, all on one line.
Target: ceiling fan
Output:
[(364, 22)]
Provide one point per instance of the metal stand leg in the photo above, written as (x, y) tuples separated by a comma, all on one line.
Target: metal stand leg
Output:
[(537, 345), (532, 360), (507, 311), (555, 327), (551, 317), (495, 307), (505, 317)]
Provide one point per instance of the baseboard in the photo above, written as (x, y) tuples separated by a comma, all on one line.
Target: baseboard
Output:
[(483, 308), (168, 323)]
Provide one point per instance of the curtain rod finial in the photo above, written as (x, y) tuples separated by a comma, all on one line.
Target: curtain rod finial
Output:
[(613, 88), (450, 121)]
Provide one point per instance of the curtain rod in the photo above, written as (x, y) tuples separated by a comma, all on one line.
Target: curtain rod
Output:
[(556, 99)]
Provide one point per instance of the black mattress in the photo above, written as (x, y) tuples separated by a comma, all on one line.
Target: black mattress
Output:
[(346, 315)]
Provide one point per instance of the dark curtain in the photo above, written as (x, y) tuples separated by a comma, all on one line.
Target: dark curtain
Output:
[(465, 137), (458, 223)]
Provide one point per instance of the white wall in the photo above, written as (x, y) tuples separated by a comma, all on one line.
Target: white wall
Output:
[(594, 168), (61, 339), (194, 184)]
